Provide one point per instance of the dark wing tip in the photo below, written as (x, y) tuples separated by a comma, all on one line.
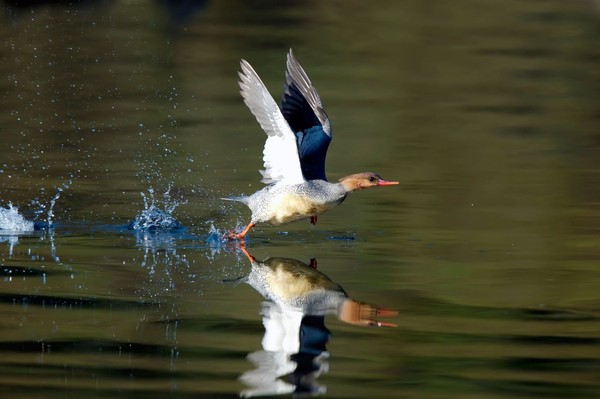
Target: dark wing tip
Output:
[(301, 96)]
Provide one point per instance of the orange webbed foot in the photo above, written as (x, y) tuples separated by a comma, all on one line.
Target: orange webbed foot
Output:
[(232, 235)]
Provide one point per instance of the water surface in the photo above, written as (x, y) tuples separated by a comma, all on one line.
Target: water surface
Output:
[(486, 113)]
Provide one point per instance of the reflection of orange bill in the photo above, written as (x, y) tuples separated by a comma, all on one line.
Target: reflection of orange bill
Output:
[(363, 314)]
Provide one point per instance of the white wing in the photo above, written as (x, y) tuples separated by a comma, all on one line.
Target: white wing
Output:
[(280, 155)]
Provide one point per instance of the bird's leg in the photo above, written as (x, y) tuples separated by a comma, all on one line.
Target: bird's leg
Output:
[(313, 263), (242, 248), (240, 236), (313, 219)]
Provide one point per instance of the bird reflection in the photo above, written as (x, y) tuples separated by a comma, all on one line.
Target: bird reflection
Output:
[(298, 297)]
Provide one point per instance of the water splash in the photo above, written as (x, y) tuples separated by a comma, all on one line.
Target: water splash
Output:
[(48, 209), (156, 232), (157, 214), (217, 240), (13, 224), (154, 218), (12, 221)]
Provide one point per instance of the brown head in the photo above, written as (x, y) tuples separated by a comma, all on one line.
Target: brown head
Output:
[(359, 181)]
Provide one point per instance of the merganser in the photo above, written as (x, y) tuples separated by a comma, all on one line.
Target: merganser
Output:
[(294, 154), (297, 300), (300, 287)]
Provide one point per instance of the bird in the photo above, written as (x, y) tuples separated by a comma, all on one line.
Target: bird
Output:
[(299, 287), (298, 298), (298, 136)]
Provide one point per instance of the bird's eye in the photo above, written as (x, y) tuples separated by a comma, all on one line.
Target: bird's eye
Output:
[(372, 179)]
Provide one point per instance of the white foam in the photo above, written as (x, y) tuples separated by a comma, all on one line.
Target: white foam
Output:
[(11, 220)]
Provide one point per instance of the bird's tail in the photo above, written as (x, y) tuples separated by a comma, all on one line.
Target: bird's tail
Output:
[(235, 281), (239, 198)]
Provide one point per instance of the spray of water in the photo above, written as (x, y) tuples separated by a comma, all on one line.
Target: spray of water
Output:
[(12, 221), (47, 209), (13, 224), (157, 213)]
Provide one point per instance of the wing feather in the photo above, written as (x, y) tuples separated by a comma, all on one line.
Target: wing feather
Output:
[(303, 110), (298, 81), (280, 155)]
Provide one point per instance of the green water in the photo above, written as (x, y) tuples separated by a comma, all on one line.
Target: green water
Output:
[(489, 249)]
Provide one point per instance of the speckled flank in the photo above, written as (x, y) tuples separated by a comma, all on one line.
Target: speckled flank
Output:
[(292, 283), (290, 207), (286, 287), (279, 204)]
